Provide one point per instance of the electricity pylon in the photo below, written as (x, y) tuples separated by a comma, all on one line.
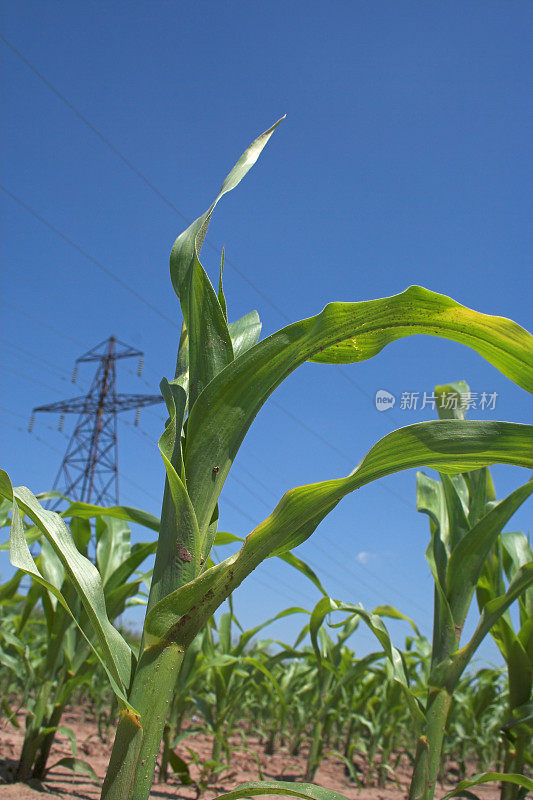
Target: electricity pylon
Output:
[(89, 471)]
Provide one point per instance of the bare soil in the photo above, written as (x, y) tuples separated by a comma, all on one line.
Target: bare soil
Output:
[(61, 783)]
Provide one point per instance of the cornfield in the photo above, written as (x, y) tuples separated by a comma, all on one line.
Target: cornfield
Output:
[(421, 703)]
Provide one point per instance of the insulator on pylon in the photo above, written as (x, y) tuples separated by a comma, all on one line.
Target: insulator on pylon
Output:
[(140, 366), (137, 417), (61, 422), (30, 423), (74, 373)]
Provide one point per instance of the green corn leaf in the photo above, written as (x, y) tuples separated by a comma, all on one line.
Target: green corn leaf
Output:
[(51, 567), (449, 399), (182, 361), (245, 332), (117, 657), (139, 552), (5, 512), (307, 791), (224, 632), (210, 347), (489, 777), (448, 673), (9, 589), (522, 715), (456, 498), (324, 607), (447, 639), (453, 445), (223, 537), (466, 561), (247, 635), (393, 613), (481, 491), (525, 635), (518, 551), (87, 511), (395, 658), (341, 333), (66, 731), (180, 767), (179, 548), (520, 672), (33, 595), (32, 533), (4, 705), (431, 500), (116, 600), (112, 545), (76, 765), (81, 533), (191, 240), (220, 294), (302, 567)]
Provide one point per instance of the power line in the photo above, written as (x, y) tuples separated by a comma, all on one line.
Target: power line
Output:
[(369, 396), (25, 418), (333, 447), (138, 173), (32, 380), (25, 354), (42, 441), (23, 313), (87, 255)]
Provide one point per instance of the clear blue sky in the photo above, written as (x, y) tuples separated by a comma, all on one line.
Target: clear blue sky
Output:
[(405, 158)]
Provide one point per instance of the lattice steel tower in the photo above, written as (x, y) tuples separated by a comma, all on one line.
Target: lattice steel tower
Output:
[(89, 471)]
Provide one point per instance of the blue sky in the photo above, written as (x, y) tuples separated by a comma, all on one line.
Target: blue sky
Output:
[(405, 159)]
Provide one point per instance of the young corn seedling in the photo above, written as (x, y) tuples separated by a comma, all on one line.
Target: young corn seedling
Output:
[(223, 377), (473, 731), (336, 669)]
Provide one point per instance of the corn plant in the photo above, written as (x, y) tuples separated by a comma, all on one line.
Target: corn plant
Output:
[(22, 651), (510, 554), (223, 377), (69, 662), (473, 729), (336, 669), (465, 523)]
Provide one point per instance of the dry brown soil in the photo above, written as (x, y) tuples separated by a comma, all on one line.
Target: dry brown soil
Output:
[(60, 783)]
